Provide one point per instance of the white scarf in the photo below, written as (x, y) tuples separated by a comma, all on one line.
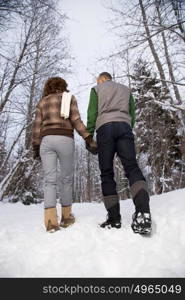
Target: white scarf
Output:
[(65, 105)]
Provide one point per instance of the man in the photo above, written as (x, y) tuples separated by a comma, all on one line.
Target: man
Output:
[(111, 112)]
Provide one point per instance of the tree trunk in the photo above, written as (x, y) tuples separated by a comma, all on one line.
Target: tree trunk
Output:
[(31, 102), (11, 149), (168, 60), (152, 48), (13, 84)]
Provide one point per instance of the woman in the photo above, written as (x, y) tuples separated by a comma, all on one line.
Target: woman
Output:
[(56, 117)]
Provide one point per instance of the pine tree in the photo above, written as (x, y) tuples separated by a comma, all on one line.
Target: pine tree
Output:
[(158, 131)]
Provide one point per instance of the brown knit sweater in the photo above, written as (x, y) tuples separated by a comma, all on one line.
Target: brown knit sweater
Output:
[(49, 122)]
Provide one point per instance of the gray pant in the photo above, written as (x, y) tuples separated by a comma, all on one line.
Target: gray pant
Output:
[(54, 147)]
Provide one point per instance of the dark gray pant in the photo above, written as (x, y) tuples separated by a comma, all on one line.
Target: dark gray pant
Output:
[(52, 149), (117, 137)]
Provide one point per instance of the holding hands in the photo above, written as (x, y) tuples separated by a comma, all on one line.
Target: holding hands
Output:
[(91, 145)]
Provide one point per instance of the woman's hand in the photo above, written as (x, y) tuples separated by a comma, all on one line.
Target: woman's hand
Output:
[(36, 153)]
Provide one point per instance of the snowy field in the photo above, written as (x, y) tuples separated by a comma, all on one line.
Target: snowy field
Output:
[(84, 250)]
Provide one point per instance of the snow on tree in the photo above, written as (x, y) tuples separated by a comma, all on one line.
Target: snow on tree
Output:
[(159, 131)]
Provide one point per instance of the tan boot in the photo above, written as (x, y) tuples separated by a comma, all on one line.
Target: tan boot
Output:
[(50, 219), (67, 217)]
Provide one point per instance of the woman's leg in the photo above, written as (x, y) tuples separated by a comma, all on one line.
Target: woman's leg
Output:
[(49, 163), (65, 153)]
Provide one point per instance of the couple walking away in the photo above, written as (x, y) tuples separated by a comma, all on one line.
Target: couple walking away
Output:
[(111, 112)]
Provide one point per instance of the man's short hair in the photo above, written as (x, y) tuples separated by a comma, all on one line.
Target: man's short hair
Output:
[(106, 75)]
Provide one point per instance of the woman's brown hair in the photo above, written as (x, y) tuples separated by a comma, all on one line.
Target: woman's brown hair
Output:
[(54, 85)]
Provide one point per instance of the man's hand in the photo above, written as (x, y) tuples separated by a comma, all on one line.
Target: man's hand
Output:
[(36, 156), (91, 145)]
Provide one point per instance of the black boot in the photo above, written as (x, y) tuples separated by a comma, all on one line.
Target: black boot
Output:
[(114, 218), (141, 223)]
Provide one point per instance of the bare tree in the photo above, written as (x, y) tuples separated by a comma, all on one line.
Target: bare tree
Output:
[(152, 47), (167, 56), (179, 11), (42, 53)]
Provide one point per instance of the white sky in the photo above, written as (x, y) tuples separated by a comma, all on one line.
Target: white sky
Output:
[(90, 40)]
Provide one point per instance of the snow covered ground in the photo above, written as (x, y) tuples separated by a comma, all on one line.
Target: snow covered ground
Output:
[(84, 250)]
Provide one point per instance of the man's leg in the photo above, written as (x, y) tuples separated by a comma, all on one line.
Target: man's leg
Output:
[(106, 152), (126, 151)]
